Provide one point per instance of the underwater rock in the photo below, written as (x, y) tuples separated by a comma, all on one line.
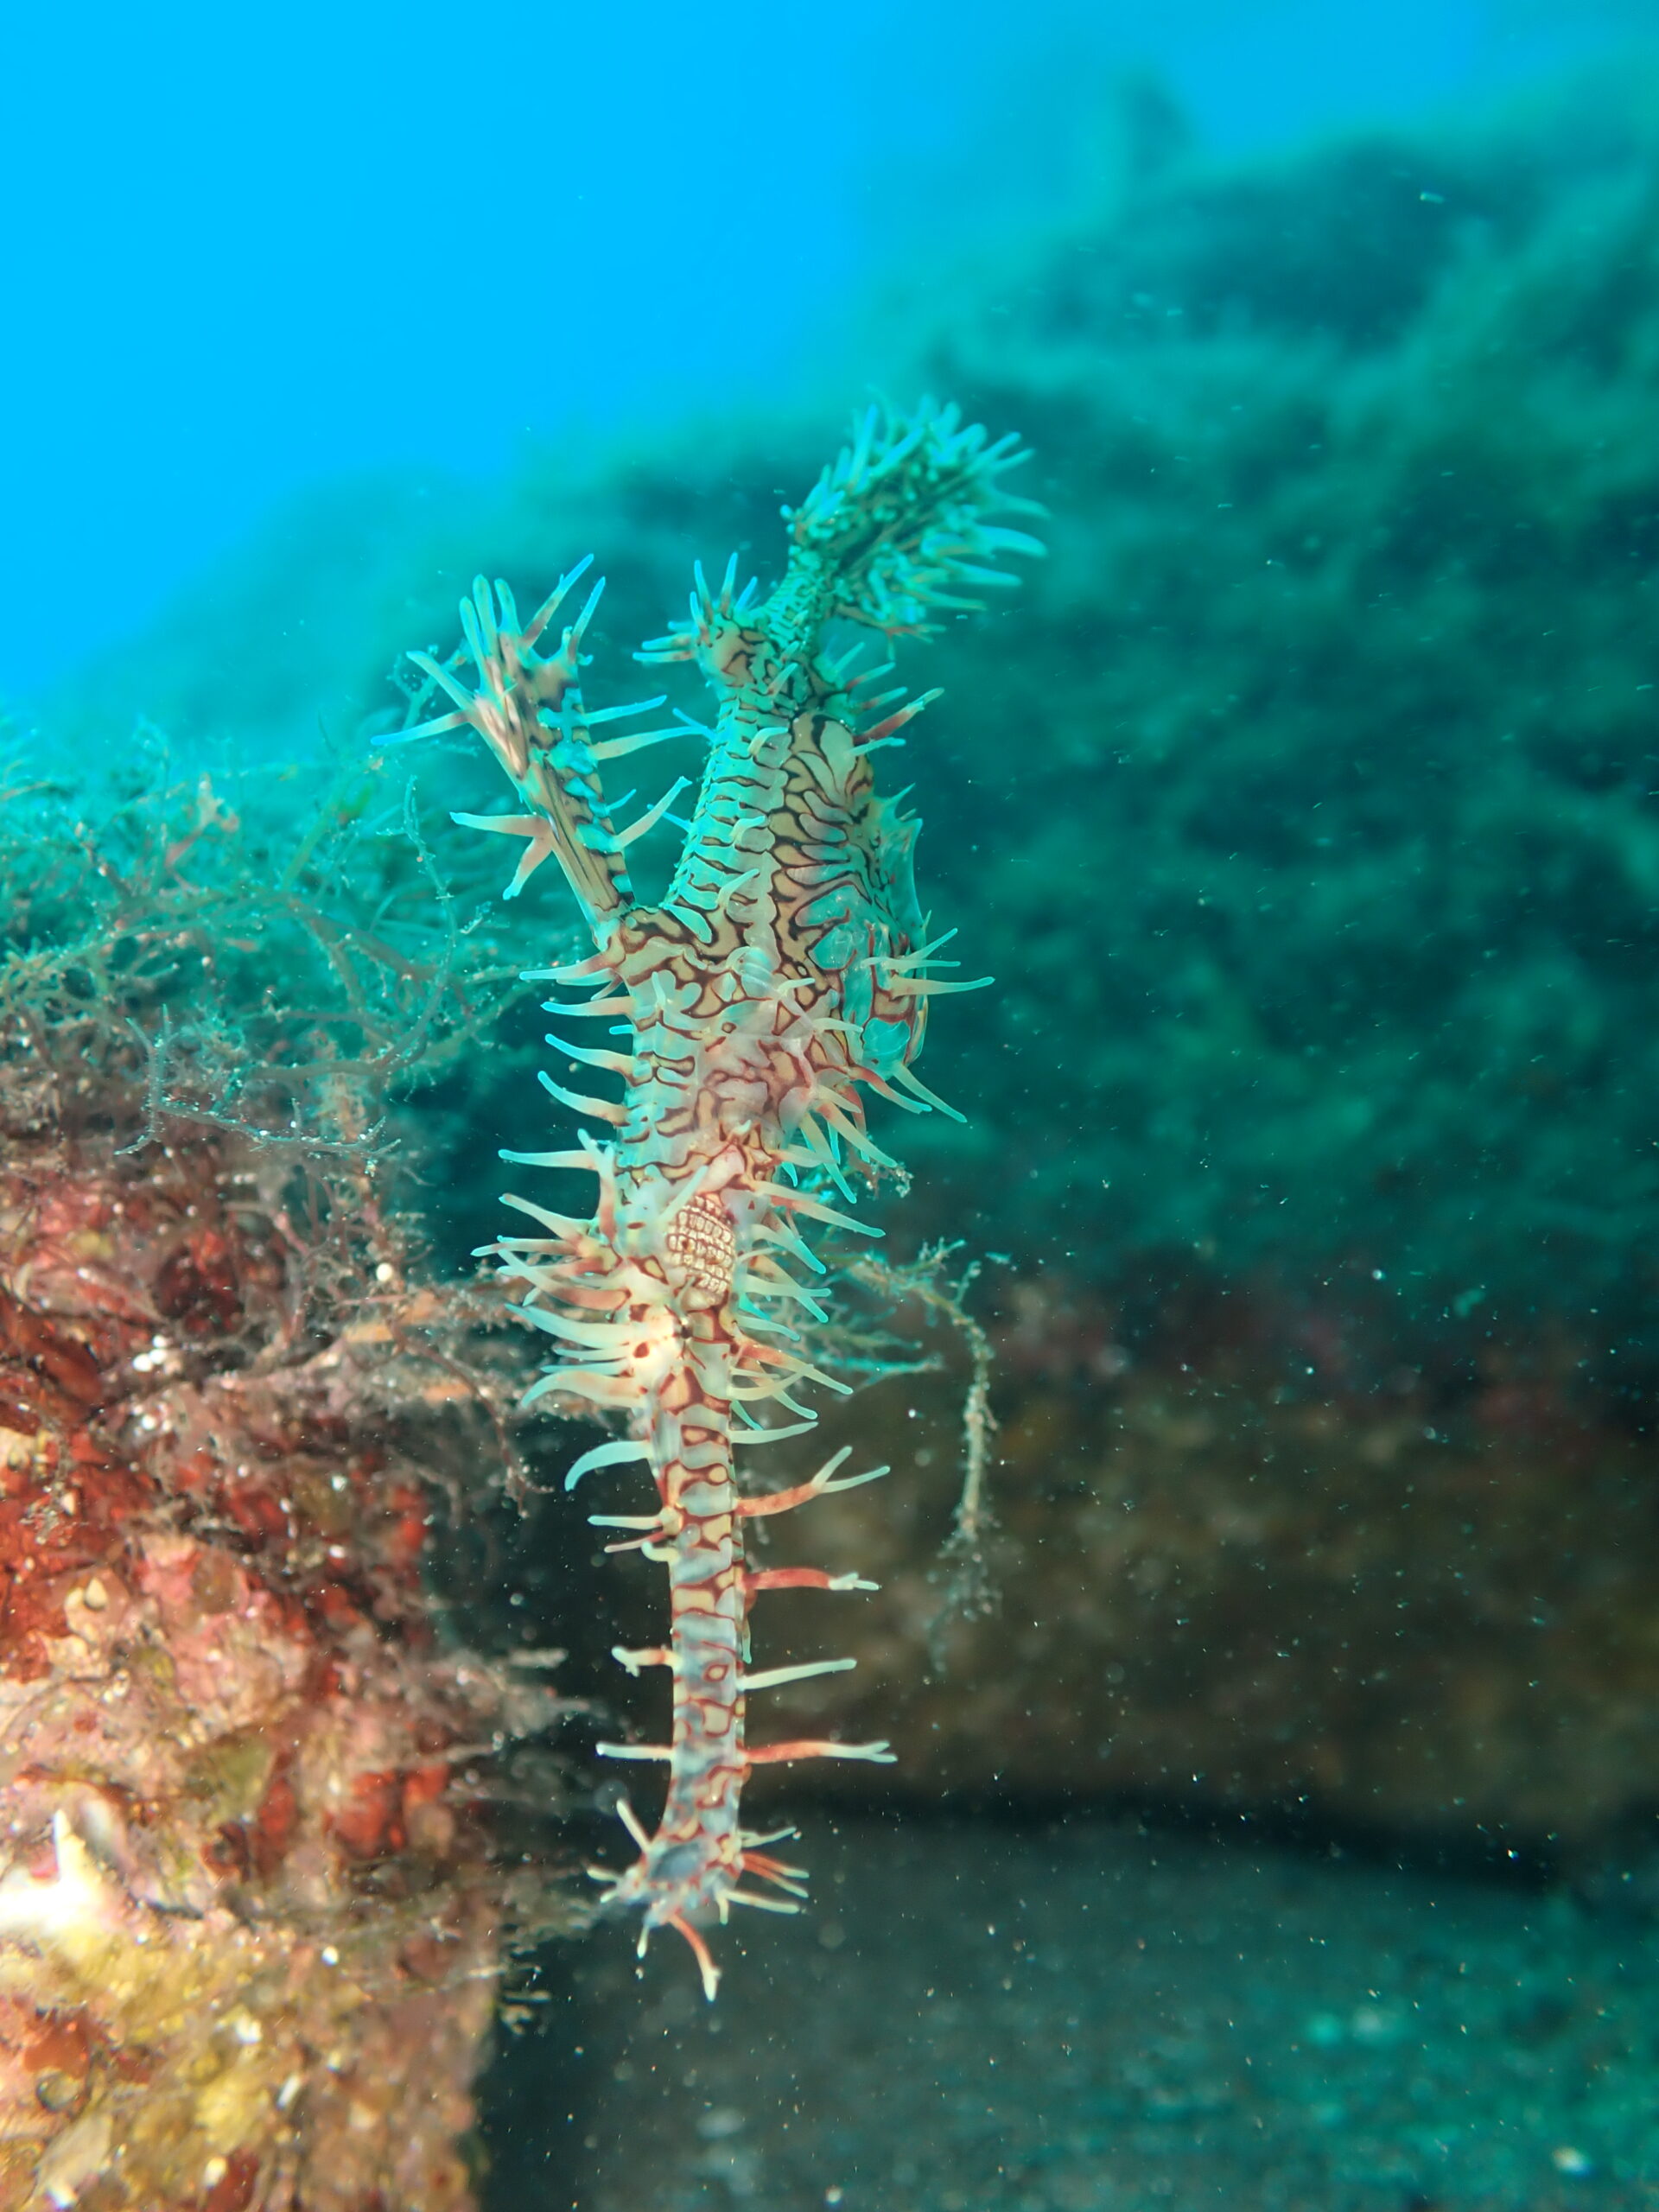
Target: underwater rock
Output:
[(1306, 807), (251, 1919), (1416, 1608)]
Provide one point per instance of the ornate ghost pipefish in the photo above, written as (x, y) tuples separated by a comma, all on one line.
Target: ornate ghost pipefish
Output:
[(785, 968)]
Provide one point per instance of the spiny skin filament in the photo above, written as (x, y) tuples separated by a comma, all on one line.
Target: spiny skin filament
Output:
[(785, 971)]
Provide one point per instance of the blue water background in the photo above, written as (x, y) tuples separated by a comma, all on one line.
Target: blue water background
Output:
[(253, 251)]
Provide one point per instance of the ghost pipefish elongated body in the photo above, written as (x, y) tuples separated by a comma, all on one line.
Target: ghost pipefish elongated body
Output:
[(785, 972)]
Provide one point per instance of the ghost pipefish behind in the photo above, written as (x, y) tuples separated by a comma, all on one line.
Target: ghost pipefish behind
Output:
[(783, 969)]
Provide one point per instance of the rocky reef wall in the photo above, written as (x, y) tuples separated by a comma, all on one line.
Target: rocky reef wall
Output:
[(254, 1914)]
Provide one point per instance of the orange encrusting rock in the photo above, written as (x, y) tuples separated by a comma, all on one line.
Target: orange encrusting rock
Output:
[(249, 1926)]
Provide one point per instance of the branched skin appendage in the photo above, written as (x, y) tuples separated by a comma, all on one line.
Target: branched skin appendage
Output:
[(784, 974)]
